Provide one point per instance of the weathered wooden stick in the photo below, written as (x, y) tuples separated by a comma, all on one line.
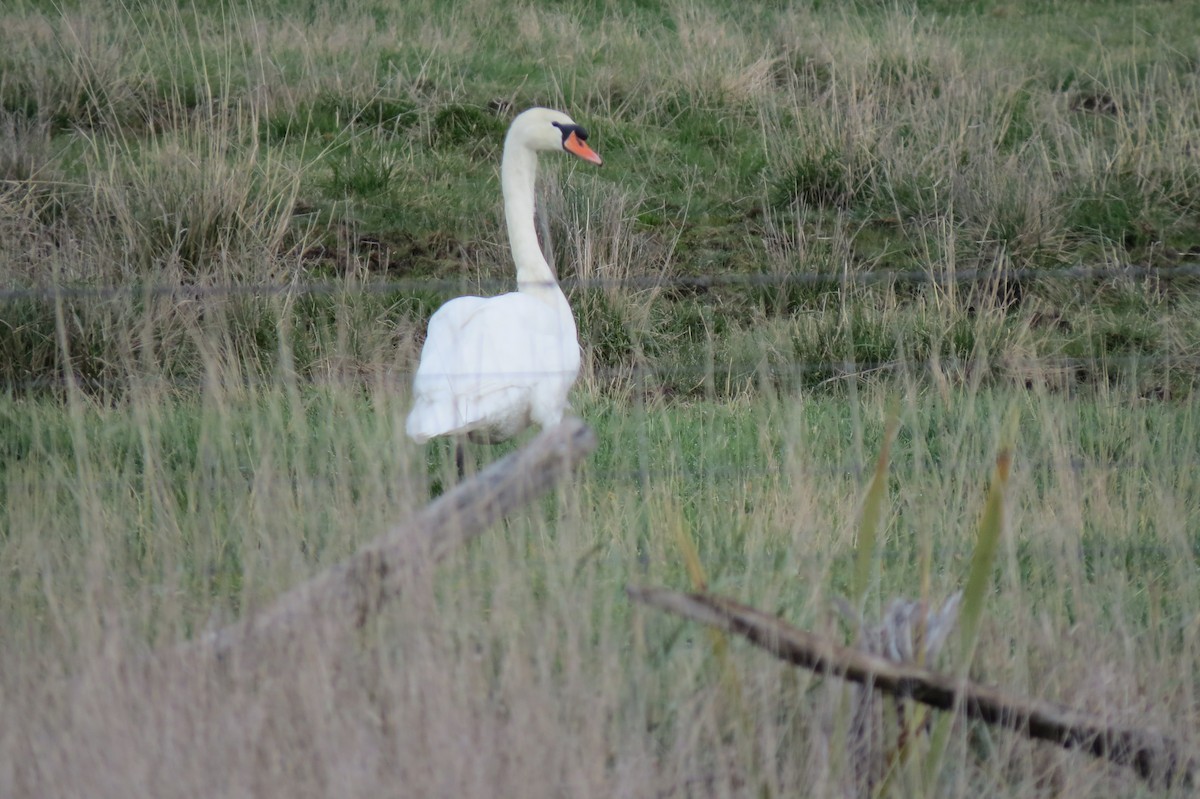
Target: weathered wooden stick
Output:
[(1153, 756), (352, 591)]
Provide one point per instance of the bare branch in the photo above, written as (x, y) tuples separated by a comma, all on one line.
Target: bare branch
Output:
[(352, 591), (1152, 755)]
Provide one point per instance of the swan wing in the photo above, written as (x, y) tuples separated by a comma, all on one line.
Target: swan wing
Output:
[(492, 365)]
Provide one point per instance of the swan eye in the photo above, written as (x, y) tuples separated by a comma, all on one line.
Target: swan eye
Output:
[(567, 130)]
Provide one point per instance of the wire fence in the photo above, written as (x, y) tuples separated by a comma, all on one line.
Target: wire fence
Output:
[(766, 465), (648, 376), (772, 365), (571, 284), (896, 546)]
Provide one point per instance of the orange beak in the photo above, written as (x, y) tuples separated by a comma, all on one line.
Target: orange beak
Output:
[(576, 146)]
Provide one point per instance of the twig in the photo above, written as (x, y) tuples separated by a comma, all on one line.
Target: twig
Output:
[(1153, 756)]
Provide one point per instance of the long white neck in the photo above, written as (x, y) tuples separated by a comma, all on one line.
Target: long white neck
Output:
[(518, 174)]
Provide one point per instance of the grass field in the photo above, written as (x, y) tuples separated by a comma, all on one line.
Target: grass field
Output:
[(222, 228)]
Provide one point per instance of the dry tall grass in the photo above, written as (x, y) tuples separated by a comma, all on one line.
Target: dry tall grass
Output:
[(521, 669)]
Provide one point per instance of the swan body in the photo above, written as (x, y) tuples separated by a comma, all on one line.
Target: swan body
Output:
[(491, 366)]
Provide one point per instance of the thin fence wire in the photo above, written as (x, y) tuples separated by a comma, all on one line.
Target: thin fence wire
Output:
[(632, 373), (636, 283), (645, 375), (759, 471), (1099, 552)]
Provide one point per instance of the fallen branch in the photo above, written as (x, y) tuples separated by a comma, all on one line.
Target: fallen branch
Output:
[(1153, 756), (352, 591)]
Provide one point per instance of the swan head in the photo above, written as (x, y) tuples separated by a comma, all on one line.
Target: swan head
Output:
[(547, 129)]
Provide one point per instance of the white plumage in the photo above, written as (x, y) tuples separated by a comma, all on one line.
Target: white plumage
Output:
[(491, 366)]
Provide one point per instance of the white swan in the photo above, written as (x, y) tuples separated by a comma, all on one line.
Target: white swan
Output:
[(491, 366)]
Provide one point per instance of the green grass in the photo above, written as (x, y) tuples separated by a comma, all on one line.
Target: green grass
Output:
[(1065, 146), (247, 208), (160, 454)]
